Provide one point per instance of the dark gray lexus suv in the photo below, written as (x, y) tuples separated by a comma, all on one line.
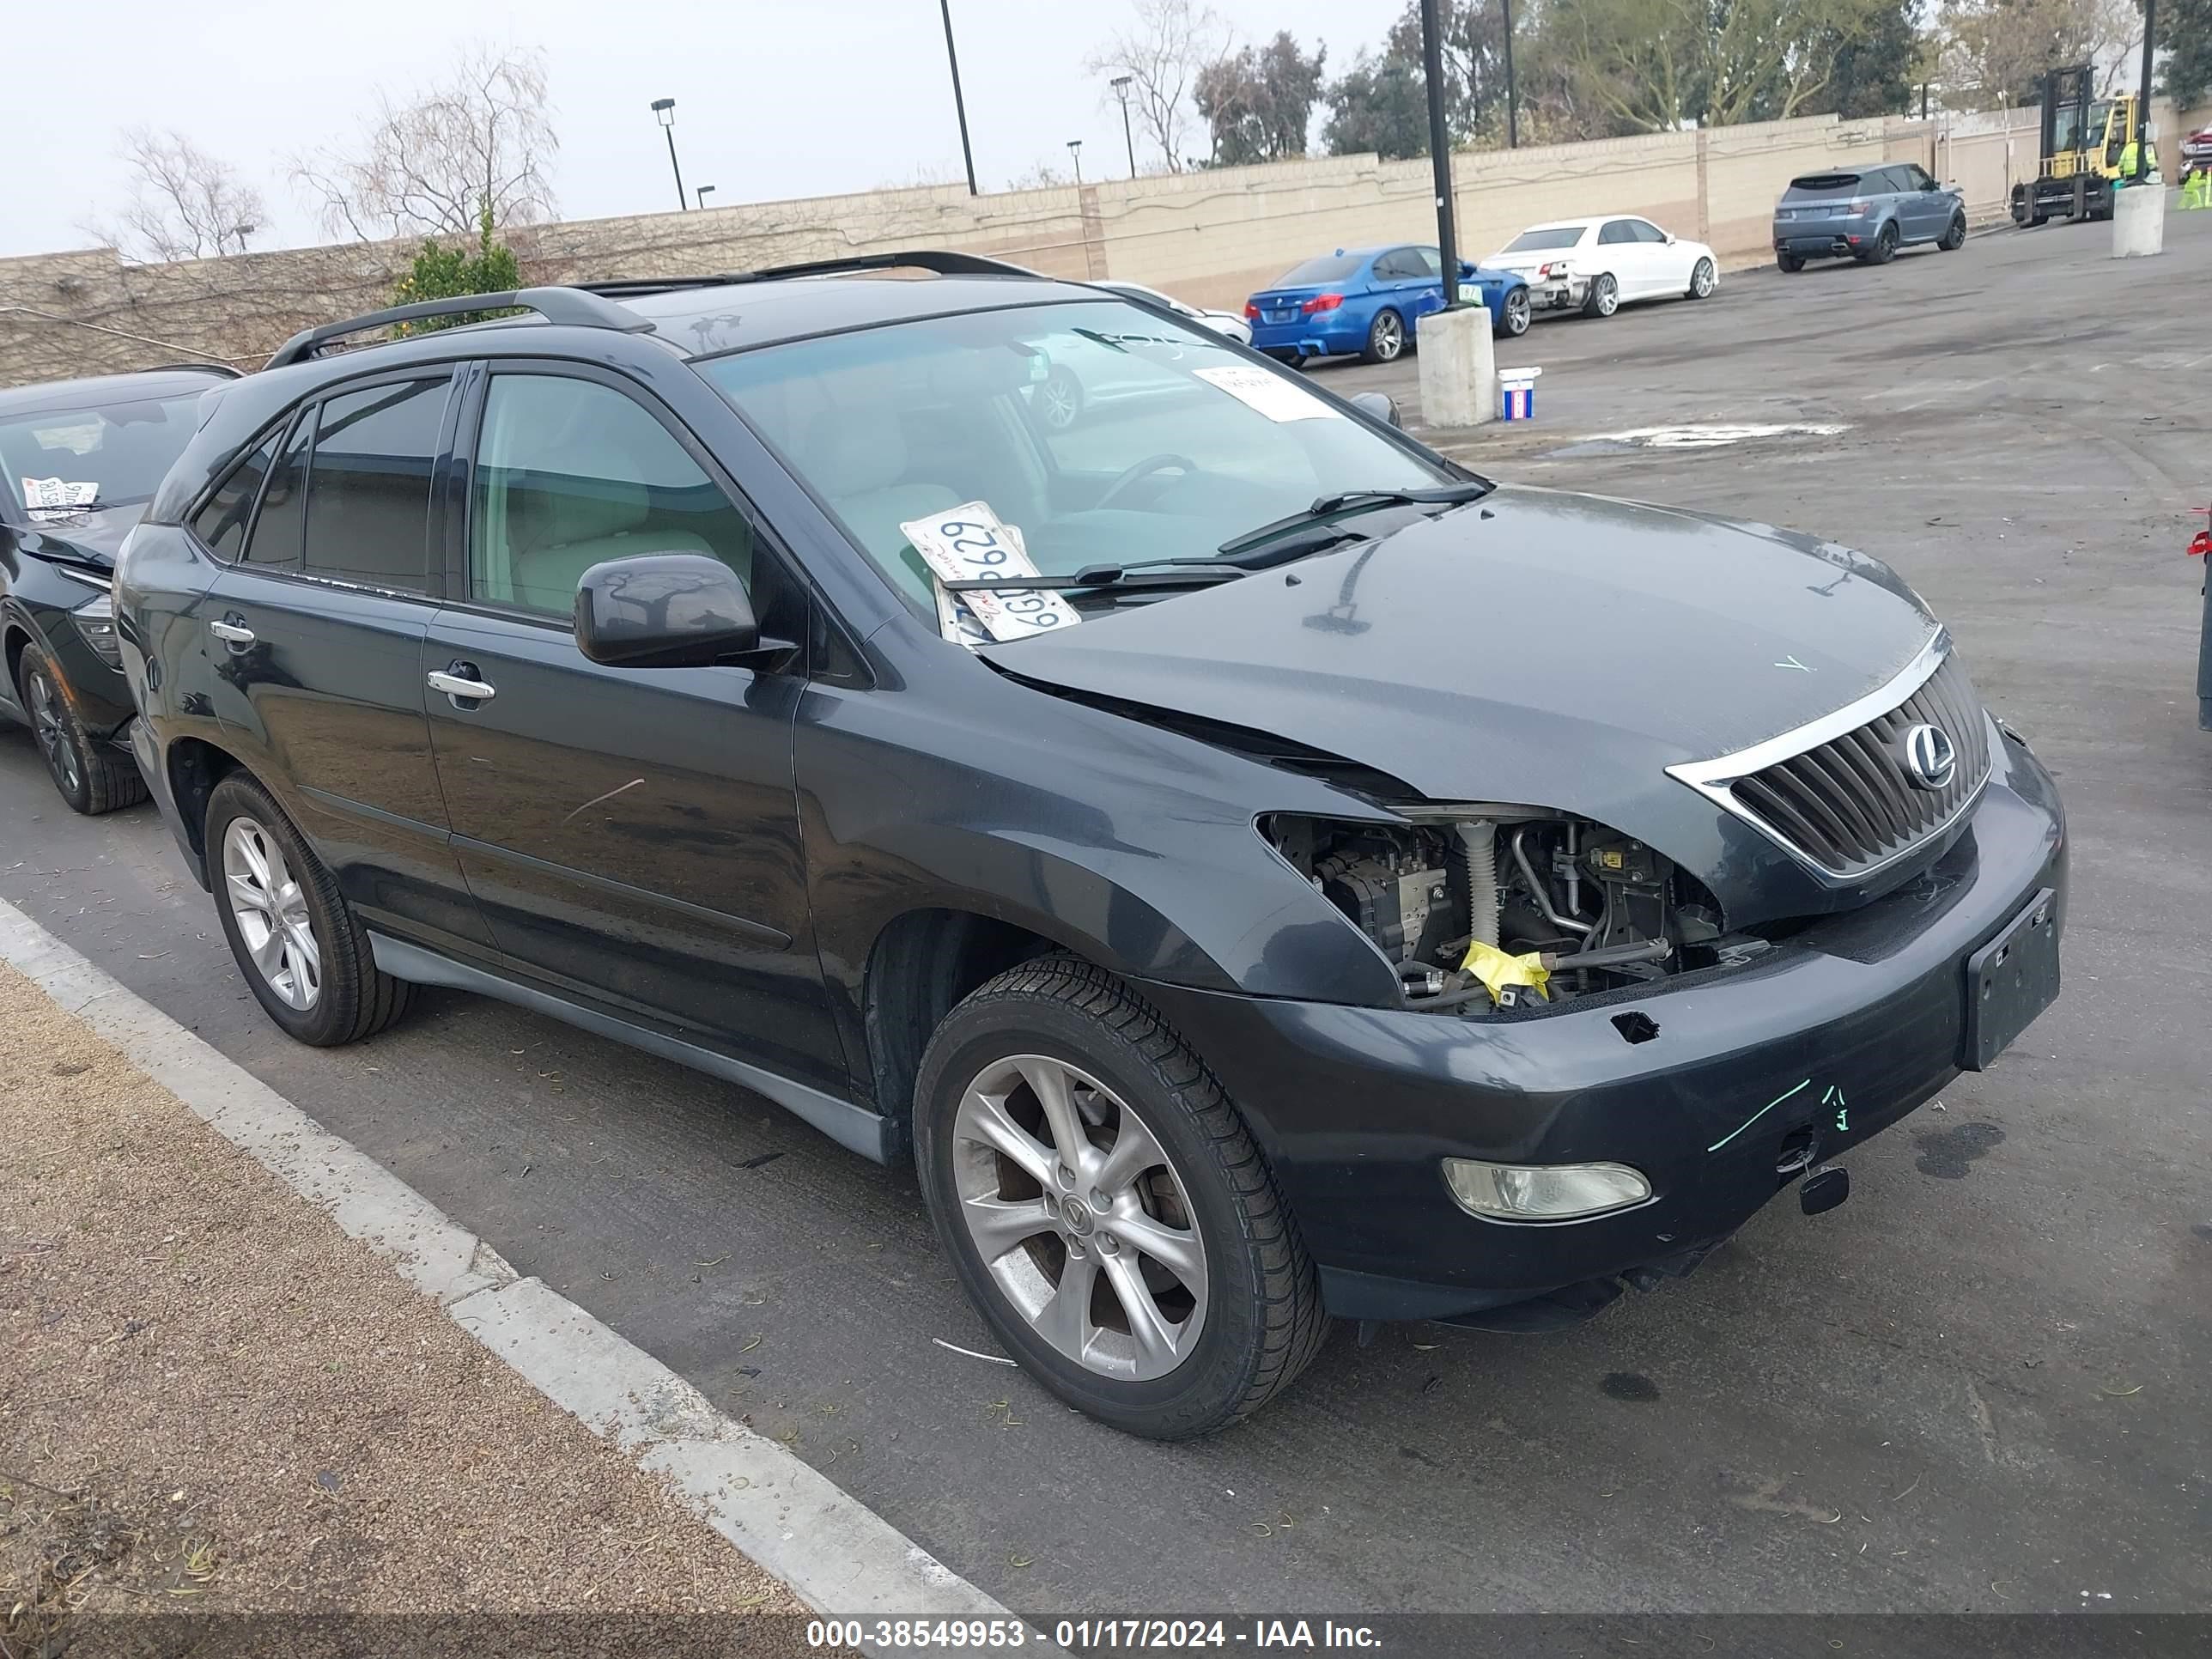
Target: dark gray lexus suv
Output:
[(1181, 835)]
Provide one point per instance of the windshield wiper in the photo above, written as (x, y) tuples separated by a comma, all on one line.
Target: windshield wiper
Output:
[(1203, 573), (1358, 501)]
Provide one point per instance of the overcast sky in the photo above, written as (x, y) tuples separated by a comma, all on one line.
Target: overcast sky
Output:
[(774, 98)]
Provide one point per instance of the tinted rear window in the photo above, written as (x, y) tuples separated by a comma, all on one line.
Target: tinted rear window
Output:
[(1536, 242), (1821, 184), (1328, 268)]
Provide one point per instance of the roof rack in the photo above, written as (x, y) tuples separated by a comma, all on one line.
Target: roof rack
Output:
[(939, 261), (223, 369), (569, 306)]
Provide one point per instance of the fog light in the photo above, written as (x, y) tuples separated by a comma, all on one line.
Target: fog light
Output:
[(1543, 1192)]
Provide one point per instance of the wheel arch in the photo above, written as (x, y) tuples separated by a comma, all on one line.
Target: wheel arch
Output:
[(192, 767)]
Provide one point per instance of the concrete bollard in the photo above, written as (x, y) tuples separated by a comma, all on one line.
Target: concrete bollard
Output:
[(1458, 367), (2138, 222)]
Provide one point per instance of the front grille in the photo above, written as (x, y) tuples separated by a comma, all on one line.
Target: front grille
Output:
[(1850, 804)]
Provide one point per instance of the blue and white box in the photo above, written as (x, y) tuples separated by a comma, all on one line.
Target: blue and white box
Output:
[(1517, 393)]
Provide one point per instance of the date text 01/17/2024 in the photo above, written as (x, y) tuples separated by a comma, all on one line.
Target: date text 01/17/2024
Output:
[(1088, 1635)]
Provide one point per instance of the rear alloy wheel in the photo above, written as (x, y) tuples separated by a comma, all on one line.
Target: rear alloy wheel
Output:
[(1513, 315), (1954, 234), (92, 776), (1106, 1207), (1603, 298), (1885, 244), (1386, 339), (301, 949), (1702, 280)]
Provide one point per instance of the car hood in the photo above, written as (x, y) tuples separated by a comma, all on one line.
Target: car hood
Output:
[(87, 538), (1554, 649)]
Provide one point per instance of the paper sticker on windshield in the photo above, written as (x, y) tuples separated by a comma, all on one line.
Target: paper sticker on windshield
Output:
[(968, 544), (1277, 398), (53, 498)]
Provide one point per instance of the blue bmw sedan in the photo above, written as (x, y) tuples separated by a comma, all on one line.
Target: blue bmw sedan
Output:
[(1370, 301)]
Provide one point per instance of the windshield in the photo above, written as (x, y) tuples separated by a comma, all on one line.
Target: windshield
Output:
[(69, 459), (1100, 433), (1328, 268), (1536, 241)]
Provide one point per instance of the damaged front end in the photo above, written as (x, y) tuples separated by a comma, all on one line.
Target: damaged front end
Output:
[(1488, 908)]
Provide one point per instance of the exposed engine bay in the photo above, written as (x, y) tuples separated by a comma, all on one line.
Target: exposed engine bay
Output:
[(1512, 910)]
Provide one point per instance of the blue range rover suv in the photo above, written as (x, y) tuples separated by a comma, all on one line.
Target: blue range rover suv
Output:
[(1867, 213)]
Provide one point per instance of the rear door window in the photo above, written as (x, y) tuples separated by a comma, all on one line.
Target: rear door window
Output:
[(221, 523), (1616, 231), (368, 488), (275, 542)]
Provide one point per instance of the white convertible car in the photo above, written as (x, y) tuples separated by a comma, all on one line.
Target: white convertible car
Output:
[(1599, 263)]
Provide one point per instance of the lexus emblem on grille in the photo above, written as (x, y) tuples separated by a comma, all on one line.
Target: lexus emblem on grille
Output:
[(1930, 759)]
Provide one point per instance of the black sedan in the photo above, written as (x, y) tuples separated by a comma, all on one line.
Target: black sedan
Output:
[(81, 461)]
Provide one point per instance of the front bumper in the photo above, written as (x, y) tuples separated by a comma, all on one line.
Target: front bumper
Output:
[(1753, 1075)]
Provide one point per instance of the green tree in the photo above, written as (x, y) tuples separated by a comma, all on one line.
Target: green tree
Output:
[(1258, 103), (1874, 71), (453, 272), (2184, 34), (1379, 104)]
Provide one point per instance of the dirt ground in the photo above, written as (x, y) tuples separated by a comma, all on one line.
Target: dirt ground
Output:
[(217, 1401)]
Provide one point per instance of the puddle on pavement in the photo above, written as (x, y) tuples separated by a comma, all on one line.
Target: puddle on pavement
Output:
[(1710, 434)]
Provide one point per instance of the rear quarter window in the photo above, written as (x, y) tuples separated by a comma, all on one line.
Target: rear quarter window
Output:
[(221, 523)]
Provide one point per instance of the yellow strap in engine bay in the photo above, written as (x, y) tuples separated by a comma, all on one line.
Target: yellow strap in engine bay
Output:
[(1498, 970)]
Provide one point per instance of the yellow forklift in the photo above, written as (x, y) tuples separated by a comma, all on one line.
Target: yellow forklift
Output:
[(2084, 139)]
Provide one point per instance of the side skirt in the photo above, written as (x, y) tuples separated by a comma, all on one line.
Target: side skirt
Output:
[(854, 1128)]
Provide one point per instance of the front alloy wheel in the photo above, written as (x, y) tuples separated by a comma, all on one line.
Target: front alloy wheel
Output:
[(48, 713), (1093, 1244), (1702, 280), (91, 775), (1105, 1207)]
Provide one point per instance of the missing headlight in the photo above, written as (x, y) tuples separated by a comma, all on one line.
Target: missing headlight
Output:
[(1517, 907)]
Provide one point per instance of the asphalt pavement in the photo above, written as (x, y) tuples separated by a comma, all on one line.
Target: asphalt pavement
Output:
[(1978, 1385)]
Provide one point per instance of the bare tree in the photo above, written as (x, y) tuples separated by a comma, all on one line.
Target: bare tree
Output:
[(1995, 51), (185, 204), (1163, 52), (428, 165)]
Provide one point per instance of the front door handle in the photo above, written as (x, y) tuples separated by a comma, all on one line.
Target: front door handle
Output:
[(231, 632), (461, 686)]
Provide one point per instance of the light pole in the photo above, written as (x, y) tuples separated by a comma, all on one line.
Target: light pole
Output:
[(2144, 160), (665, 108), (1075, 153), (1512, 94), (1121, 85), (701, 194), (959, 106), (1433, 68)]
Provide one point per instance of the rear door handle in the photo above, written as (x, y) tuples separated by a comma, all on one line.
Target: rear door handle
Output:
[(459, 686), (231, 632)]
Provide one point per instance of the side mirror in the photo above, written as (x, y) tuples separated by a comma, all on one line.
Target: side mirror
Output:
[(664, 611), (1379, 404), (1466, 270)]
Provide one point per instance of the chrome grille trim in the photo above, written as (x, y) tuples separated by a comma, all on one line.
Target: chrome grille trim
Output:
[(1833, 793)]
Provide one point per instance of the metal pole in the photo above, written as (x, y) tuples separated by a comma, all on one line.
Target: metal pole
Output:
[(1432, 66), (682, 200), (2142, 104), (1128, 136), (959, 105), (1512, 92)]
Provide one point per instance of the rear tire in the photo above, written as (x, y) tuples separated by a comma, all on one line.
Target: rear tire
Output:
[(92, 776), (1884, 245), (1386, 339), (324, 988), (1020, 1206), (1791, 264), (1603, 298)]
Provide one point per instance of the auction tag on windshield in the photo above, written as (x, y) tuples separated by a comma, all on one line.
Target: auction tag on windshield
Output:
[(53, 498), (1277, 398), (968, 544)]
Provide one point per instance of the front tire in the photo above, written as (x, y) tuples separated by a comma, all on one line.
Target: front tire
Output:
[(1603, 298), (1106, 1207), (1702, 280), (1386, 339), (90, 776), (298, 942)]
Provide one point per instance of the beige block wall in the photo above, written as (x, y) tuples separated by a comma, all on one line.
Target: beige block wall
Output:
[(1211, 238)]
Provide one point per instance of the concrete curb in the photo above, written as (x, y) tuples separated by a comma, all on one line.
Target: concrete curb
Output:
[(837, 1555)]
